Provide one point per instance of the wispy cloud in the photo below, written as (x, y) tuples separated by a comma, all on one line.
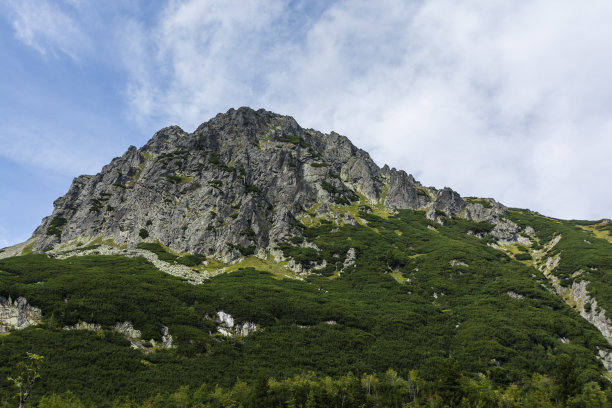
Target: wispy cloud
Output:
[(49, 27)]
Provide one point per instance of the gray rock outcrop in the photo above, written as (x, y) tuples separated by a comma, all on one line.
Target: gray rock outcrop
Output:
[(233, 186), (229, 328), (18, 314)]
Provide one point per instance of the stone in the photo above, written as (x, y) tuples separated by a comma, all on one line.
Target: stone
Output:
[(226, 319), (403, 192), (229, 328), (246, 329), (18, 314), (128, 330), (94, 327), (446, 203)]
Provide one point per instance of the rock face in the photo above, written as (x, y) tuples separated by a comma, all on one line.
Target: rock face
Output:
[(228, 328), (131, 334), (234, 185), (17, 315)]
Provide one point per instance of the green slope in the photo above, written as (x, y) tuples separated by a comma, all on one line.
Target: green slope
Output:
[(419, 296)]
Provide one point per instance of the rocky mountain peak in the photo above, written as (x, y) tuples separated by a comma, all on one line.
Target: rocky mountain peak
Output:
[(235, 185)]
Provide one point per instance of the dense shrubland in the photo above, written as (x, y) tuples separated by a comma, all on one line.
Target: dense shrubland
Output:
[(423, 317)]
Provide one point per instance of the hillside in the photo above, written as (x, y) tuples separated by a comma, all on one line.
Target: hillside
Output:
[(283, 266)]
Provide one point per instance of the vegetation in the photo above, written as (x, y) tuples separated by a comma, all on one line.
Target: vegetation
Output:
[(27, 374), (191, 260), (174, 179), (421, 318), (55, 226), (297, 140), (213, 157), (252, 189), (485, 203), (387, 389), (244, 251), (340, 197), (585, 254), (164, 255)]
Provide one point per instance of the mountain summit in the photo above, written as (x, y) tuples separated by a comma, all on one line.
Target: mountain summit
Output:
[(255, 250), (235, 186)]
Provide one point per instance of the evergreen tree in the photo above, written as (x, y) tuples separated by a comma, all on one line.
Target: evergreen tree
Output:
[(260, 392), (449, 386), (566, 378)]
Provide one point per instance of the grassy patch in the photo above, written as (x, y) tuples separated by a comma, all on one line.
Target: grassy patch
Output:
[(598, 231), (398, 276), (481, 201)]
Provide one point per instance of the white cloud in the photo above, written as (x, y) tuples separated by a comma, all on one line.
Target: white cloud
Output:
[(49, 27), (503, 99), (208, 54)]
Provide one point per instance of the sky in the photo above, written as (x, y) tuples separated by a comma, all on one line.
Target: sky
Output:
[(493, 98)]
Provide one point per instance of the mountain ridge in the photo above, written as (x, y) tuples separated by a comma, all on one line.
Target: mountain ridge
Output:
[(252, 247), (256, 171)]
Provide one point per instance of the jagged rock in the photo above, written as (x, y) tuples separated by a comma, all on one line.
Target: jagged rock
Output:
[(514, 295), (454, 262), (128, 330), (447, 203), (351, 257), (242, 171), (226, 319), (479, 213), (167, 340), (504, 230), (295, 267), (130, 333), (17, 314), (246, 329), (360, 173), (228, 328), (605, 356), (403, 192), (322, 210), (94, 327), (349, 220)]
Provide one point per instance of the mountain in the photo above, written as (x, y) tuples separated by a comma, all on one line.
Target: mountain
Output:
[(243, 171), (255, 250)]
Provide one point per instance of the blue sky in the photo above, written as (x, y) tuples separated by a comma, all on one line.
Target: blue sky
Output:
[(511, 100)]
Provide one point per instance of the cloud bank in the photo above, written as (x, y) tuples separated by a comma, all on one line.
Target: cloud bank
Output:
[(503, 99)]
